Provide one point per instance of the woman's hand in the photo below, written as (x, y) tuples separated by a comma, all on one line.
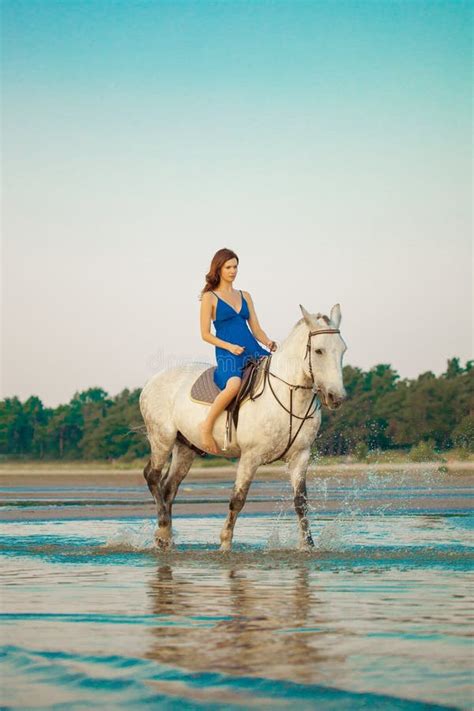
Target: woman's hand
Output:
[(272, 346), (236, 350)]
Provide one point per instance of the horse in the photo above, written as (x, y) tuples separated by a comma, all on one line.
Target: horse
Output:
[(305, 369)]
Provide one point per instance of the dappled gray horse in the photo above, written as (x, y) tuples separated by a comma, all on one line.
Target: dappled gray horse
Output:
[(306, 369)]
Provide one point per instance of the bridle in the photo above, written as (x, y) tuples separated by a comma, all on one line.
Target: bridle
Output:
[(292, 386), (308, 351)]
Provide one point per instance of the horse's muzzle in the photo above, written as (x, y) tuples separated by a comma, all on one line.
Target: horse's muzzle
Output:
[(331, 400)]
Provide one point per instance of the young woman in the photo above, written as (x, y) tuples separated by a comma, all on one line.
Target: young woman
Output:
[(229, 310)]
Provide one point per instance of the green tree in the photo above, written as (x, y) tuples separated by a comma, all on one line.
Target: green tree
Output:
[(382, 411), (463, 434), (453, 369)]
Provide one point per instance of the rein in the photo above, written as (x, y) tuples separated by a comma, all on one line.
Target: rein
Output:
[(292, 386)]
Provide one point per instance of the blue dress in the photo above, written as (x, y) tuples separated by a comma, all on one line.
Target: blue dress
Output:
[(231, 326)]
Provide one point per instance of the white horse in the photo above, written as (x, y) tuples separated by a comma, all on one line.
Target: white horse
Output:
[(307, 365)]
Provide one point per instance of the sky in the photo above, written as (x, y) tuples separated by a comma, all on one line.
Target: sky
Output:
[(327, 142)]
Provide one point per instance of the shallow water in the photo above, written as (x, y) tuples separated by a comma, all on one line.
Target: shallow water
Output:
[(378, 614)]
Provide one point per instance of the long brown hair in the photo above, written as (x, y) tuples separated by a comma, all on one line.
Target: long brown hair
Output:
[(213, 275)]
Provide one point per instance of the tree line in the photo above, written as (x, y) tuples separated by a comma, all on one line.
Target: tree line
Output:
[(382, 412)]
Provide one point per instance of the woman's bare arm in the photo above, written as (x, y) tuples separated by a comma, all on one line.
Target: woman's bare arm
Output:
[(206, 317), (255, 327)]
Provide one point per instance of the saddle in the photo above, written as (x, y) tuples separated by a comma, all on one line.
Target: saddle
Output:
[(205, 391)]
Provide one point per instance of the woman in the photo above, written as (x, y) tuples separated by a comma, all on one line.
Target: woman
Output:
[(235, 343)]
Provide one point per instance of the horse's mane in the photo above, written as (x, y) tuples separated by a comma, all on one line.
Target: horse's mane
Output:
[(325, 318), (300, 321)]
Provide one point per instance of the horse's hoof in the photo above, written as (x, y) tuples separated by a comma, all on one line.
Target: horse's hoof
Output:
[(225, 548), (306, 546), (163, 542)]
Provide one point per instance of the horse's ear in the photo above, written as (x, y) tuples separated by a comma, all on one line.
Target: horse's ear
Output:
[(309, 318), (335, 315)]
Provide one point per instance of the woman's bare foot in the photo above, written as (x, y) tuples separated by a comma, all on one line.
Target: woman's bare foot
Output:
[(208, 441)]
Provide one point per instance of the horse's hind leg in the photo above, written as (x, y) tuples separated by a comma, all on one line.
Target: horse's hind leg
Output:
[(154, 467), (164, 485), (181, 461), (153, 472)]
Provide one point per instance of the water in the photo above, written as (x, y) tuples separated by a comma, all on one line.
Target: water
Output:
[(378, 615)]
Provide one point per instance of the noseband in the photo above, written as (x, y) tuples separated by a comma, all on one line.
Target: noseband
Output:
[(307, 416)]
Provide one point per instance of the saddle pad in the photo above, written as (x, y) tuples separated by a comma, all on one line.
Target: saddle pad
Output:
[(204, 388)]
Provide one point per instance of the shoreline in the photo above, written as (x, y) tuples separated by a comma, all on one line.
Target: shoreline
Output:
[(73, 470), (76, 493)]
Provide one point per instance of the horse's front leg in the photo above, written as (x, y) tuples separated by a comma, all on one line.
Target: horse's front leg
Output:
[(298, 465), (245, 473)]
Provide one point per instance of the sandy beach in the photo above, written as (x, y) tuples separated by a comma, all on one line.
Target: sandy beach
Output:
[(76, 490), (76, 472)]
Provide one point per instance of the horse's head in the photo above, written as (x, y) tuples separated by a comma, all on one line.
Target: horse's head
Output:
[(323, 358)]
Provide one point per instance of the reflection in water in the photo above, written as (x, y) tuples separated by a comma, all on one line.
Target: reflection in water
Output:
[(359, 628), (253, 627)]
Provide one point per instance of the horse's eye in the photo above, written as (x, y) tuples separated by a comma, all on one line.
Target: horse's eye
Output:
[(319, 351)]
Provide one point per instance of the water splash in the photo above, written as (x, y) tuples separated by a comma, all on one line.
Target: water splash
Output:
[(331, 537), (131, 537)]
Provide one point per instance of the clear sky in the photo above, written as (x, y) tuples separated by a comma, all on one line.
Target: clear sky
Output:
[(327, 142)]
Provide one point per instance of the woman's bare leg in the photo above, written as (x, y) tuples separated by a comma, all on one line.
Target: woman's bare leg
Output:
[(218, 406)]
